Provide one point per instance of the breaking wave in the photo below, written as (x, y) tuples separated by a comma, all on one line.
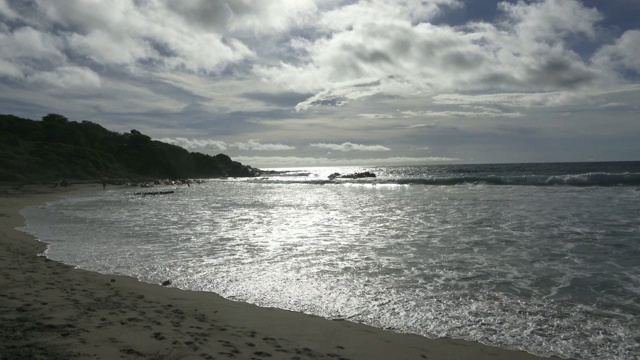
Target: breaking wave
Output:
[(591, 179), (588, 179)]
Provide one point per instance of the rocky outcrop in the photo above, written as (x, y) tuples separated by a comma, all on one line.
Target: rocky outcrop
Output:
[(358, 175)]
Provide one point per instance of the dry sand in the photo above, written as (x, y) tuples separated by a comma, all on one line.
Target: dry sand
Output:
[(52, 311)]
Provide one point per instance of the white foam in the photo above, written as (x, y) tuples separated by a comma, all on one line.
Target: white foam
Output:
[(500, 265)]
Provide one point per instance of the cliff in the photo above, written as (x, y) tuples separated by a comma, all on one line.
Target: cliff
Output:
[(56, 148)]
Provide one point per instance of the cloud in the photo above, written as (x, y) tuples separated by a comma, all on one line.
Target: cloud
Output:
[(332, 57), (135, 33), (294, 161), (471, 112), (338, 96), (528, 51), (108, 48), (346, 147), (251, 145), (621, 56), (377, 116), (251, 16), (6, 11), (363, 13), (196, 144), (527, 100), (402, 73), (549, 20), (195, 36), (255, 145), (9, 70), (415, 126), (26, 50), (68, 77), (612, 105), (284, 99)]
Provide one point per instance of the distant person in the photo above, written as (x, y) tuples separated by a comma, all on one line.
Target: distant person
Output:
[(104, 184)]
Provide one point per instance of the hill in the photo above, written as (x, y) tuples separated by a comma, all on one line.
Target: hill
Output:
[(56, 148)]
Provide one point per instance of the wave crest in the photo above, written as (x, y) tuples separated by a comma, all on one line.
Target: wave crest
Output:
[(587, 179)]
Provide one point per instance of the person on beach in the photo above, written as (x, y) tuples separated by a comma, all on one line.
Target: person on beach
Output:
[(104, 184)]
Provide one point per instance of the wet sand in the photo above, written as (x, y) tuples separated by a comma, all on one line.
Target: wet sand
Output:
[(49, 310)]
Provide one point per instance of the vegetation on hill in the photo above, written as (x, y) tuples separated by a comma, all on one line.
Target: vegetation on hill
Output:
[(56, 148)]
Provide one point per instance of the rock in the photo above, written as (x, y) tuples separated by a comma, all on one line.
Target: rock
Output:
[(360, 175), (166, 283)]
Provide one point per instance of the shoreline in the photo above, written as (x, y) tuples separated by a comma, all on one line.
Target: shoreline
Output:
[(49, 310)]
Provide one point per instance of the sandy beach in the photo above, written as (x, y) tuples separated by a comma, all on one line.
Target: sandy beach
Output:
[(49, 310)]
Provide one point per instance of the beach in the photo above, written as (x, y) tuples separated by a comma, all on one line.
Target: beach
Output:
[(49, 310)]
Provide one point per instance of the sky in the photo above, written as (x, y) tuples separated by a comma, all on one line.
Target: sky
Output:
[(290, 83)]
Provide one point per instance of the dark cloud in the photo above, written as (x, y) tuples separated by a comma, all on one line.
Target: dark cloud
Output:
[(205, 14), (562, 73), (373, 56), (283, 99), (328, 101), (465, 60)]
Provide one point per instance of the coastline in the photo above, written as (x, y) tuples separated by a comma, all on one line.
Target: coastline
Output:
[(49, 310)]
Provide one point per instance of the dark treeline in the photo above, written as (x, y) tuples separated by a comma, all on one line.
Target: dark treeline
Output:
[(56, 148)]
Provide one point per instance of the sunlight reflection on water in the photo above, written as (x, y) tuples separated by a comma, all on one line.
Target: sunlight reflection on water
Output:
[(503, 265)]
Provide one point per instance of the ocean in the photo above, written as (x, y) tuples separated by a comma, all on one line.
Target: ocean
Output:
[(538, 257)]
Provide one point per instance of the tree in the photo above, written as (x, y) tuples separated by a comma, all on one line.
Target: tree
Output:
[(55, 118)]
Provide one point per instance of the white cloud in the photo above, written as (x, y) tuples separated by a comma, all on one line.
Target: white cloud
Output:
[(390, 47), (394, 55), (28, 43), (472, 112), (339, 95), (623, 55), (255, 145), (196, 144), (549, 20), (196, 35), (5, 10), (366, 12), (202, 144), (109, 48), (293, 161), (346, 147), (534, 99), (127, 32), (68, 77), (612, 105), (9, 70), (415, 126), (377, 116)]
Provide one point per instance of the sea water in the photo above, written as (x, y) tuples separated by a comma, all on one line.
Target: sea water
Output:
[(538, 257)]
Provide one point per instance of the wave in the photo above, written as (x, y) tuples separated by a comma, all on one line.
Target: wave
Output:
[(588, 179)]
